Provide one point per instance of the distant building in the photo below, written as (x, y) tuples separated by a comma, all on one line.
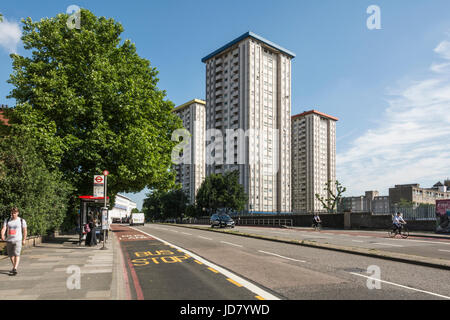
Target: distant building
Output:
[(313, 155), (122, 207), (370, 202), (415, 194), (192, 173)]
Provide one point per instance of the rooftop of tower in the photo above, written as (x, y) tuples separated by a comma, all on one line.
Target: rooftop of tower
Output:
[(249, 34), (315, 112)]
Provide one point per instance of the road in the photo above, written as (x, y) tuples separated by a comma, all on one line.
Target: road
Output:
[(378, 240), (261, 269)]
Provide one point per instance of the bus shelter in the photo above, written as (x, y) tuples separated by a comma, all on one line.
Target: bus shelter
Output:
[(90, 206)]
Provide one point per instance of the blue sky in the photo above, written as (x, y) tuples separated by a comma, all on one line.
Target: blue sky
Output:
[(390, 88)]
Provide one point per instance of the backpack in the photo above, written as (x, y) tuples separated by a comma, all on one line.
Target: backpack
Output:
[(87, 228)]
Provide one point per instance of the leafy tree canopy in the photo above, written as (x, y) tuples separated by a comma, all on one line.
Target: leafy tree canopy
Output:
[(25, 182), (91, 102), (222, 191), (334, 196)]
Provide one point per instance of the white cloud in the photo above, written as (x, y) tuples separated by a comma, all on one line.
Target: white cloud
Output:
[(443, 49), (412, 142), (10, 34)]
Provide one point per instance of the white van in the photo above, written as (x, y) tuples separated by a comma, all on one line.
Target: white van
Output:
[(137, 218)]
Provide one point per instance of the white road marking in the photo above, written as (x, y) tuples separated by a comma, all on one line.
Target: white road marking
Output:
[(322, 237), (250, 286), (364, 236), (232, 244), (189, 234), (357, 241), (173, 231), (444, 250), (204, 238), (402, 286), (274, 254), (424, 241), (389, 244)]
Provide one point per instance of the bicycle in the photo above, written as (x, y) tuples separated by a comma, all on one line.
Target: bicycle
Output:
[(317, 227), (404, 233)]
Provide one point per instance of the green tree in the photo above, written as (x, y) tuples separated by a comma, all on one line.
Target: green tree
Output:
[(135, 210), (403, 203), (334, 196), (92, 104), (41, 195), (153, 206), (1, 17), (160, 204), (222, 191), (174, 203)]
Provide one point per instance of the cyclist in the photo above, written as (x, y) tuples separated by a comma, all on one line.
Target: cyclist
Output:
[(316, 220), (398, 222)]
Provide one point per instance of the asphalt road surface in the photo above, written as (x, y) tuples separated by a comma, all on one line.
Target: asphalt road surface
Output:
[(413, 245), (159, 271), (270, 270)]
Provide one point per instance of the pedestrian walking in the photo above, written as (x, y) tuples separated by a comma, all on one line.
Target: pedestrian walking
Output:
[(15, 231)]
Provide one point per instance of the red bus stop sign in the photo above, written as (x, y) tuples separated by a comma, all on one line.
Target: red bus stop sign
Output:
[(105, 173)]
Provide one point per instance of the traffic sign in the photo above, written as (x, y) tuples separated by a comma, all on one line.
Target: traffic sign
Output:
[(99, 179), (105, 172)]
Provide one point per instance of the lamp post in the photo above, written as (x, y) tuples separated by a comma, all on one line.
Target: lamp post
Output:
[(105, 211)]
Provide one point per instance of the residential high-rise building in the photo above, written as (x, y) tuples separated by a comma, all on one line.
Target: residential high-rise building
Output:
[(248, 109), (313, 159), (191, 172)]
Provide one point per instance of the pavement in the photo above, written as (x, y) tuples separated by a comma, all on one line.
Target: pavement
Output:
[(61, 269)]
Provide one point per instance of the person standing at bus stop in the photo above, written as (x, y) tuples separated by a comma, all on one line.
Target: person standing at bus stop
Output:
[(15, 229)]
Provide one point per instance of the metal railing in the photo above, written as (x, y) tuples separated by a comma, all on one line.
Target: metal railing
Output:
[(265, 222), (419, 213)]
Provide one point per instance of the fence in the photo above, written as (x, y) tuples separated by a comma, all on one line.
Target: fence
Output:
[(419, 213), (265, 222)]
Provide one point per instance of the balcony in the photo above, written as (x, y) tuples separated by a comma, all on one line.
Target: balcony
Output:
[(219, 99), (219, 85), (219, 68)]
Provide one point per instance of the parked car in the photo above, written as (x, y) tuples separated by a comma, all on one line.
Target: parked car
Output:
[(116, 220), (221, 221)]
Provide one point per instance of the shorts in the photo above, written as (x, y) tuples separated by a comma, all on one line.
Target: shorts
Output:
[(14, 248)]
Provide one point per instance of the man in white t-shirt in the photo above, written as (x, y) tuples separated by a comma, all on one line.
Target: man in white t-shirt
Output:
[(398, 222), (15, 229)]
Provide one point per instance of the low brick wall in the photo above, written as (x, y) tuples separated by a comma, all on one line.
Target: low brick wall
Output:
[(30, 242), (367, 220)]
